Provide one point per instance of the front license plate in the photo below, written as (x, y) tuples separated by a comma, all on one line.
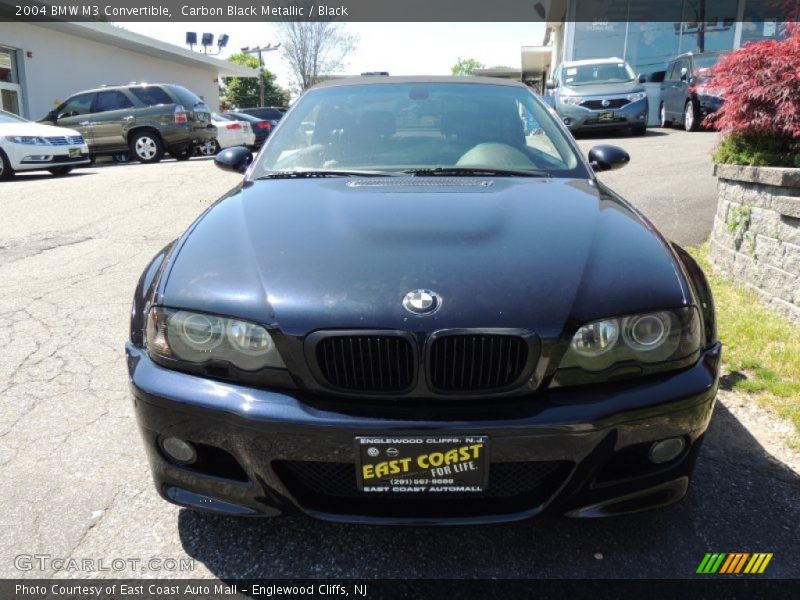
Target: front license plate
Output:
[(606, 115), (74, 152), (422, 464)]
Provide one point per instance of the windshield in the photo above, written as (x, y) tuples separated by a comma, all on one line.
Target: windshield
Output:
[(397, 127), (703, 64), (7, 117), (616, 72)]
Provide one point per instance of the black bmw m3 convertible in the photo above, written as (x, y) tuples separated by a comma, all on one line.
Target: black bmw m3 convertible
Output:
[(421, 306)]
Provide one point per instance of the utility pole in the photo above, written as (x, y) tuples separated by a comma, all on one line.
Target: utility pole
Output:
[(259, 50)]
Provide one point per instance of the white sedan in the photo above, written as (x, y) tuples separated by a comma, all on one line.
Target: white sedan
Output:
[(230, 132), (28, 146)]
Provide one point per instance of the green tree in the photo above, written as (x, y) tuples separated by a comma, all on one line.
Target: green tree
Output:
[(243, 92), (466, 66)]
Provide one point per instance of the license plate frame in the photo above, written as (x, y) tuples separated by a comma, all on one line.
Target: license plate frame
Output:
[(74, 152), (606, 115), (412, 465)]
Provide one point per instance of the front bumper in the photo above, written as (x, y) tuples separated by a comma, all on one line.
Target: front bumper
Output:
[(578, 118), (25, 157), (580, 451)]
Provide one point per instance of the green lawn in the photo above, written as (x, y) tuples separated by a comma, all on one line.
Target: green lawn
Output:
[(761, 350)]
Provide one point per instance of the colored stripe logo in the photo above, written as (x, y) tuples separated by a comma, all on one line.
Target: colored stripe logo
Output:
[(734, 562)]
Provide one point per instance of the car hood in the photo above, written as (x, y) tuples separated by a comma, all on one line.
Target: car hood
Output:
[(35, 129), (342, 253), (601, 89)]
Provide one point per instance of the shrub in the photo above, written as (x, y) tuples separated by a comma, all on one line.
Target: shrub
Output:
[(760, 119), (758, 150)]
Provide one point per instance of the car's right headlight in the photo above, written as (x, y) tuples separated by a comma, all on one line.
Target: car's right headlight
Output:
[(198, 338), (570, 100), (651, 341), (28, 140)]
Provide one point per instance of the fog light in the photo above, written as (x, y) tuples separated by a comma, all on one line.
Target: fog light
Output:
[(666, 450), (179, 450)]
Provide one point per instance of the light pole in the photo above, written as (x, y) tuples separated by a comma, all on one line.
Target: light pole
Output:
[(258, 50)]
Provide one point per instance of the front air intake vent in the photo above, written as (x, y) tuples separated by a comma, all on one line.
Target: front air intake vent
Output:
[(416, 182)]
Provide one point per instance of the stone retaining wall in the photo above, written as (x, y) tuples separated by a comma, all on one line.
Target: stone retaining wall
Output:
[(756, 235)]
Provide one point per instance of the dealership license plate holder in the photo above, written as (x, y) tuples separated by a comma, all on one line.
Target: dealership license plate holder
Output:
[(468, 475), (606, 115), (74, 152)]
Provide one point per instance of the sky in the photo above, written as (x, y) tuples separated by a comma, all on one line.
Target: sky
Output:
[(399, 48)]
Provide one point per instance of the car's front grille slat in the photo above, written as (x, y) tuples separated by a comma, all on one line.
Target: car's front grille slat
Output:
[(610, 103), (476, 362), (61, 140), (385, 362), (366, 362)]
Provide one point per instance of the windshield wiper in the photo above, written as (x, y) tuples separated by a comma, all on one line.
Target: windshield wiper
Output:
[(477, 171), (304, 174)]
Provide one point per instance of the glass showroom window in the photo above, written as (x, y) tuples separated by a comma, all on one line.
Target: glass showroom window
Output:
[(9, 82)]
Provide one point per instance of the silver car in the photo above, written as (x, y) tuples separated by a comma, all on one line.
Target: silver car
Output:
[(599, 94)]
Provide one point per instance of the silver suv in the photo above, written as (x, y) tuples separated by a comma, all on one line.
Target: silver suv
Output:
[(599, 94)]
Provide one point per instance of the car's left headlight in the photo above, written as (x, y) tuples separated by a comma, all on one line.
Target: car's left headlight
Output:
[(651, 341), (28, 140), (636, 96), (198, 338)]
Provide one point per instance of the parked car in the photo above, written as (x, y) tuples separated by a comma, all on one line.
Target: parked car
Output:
[(29, 146), (261, 127), (146, 120), (687, 92), (421, 315), (230, 132), (273, 114), (599, 94)]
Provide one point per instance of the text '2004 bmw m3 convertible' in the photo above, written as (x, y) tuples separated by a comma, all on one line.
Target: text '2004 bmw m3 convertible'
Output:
[(421, 306)]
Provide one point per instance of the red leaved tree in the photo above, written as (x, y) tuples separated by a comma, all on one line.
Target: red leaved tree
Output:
[(761, 86)]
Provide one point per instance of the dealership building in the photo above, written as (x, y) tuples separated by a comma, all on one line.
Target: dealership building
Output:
[(646, 33), (41, 64)]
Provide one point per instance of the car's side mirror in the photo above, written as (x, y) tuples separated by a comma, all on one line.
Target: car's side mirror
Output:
[(642, 78), (550, 84), (235, 159), (607, 158)]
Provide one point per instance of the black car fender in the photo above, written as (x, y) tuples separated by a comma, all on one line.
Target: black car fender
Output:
[(145, 290), (702, 289)]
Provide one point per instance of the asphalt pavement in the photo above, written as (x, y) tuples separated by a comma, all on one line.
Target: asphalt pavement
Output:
[(74, 478), (670, 179)]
